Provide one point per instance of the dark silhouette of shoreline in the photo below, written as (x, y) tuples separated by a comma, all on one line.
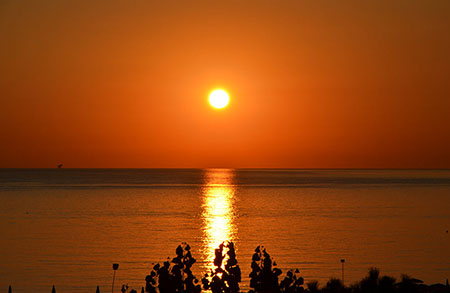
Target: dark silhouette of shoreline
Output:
[(176, 276)]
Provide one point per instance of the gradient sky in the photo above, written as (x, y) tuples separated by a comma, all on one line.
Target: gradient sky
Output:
[(313, 84)]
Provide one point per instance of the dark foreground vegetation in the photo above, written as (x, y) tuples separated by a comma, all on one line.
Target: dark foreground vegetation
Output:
[(176, 276), (265, 277)]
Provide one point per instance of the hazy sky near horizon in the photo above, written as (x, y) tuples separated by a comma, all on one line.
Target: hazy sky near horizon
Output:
[(312, 83)]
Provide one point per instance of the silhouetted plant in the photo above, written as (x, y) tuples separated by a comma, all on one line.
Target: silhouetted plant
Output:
[(334, 286), (386, 284), (313, 286), (408, 284), (370, 283), (373, 283), (264, 275), (124, 288), (224, 279), (175, 276), (292, 282)]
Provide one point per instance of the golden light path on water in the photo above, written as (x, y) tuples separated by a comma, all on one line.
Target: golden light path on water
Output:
[(218, 212)]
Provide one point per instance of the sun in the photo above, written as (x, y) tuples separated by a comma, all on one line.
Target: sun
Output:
[(219, 98)]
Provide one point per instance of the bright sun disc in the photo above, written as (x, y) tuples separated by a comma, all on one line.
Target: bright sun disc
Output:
[(219, 99)]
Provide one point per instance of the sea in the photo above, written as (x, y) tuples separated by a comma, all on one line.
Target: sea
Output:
[(66, 227)]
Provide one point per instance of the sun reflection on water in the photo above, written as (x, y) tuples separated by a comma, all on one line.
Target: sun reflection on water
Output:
[(218, 212)]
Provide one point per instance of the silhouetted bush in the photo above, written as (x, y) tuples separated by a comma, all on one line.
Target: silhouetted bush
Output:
[(176, 276), (264, 275), (373, 283), (334, 286), (224, 278), (313, 286), (408, 284)]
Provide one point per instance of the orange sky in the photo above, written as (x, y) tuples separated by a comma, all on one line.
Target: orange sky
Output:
[(312, 83)]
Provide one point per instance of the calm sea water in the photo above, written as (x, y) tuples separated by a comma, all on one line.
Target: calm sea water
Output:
[(66, 227)]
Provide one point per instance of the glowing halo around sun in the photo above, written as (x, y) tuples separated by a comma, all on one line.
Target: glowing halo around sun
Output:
[(219, 99)]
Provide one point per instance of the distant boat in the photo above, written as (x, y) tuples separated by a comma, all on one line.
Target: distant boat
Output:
[(60, 166)]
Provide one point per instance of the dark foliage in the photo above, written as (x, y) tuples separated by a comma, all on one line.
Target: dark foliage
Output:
[(335, 286), (374, 283), (174, 276), (264, 275), (224, 278)]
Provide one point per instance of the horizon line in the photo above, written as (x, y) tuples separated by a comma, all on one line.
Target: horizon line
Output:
[(232, 168)]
